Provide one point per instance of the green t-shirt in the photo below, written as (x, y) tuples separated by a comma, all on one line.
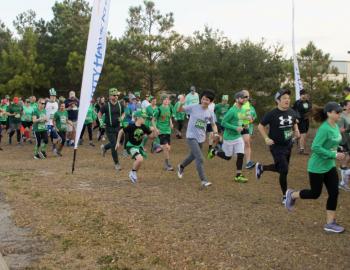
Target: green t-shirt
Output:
[(91, 115), (34, 105), (150, 111), (39, 126), (220, 111), (27, 115), (232, 120), (3, 115), (178, 115), (61, 119), (324, 149), (17, 109), (163, 116)]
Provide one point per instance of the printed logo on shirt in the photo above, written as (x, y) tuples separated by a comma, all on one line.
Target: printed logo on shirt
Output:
[(138, 134), (201, 124), (286, 121)]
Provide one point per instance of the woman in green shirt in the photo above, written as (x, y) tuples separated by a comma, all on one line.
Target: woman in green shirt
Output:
[(40, 130), (26, 120), (321, 165)]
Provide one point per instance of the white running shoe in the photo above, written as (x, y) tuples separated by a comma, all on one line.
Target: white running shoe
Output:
[(133, 177)]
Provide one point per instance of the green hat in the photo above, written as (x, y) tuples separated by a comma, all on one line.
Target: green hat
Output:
[(163, 97), (114, 92), (151, 98), (137, 93), (140, 113), (225, 97), (52, 92)]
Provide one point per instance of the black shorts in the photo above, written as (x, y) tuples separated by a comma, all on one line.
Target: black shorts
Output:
[(209, 128), (220, 128), (164, 139), (3, 123), (281, 156), (303, 126), (245, 131), (26, 124)]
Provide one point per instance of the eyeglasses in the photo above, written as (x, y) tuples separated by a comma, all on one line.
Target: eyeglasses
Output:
[(245, 97)]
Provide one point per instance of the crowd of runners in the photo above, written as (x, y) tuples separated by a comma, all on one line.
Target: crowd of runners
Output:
[(128, 125)]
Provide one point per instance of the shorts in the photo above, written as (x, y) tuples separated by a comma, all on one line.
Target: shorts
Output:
[(72, 127), (164, 139), (231, 147), (135, 151), (303, 126), (209, 128), (26, 124), (245, 131), (281, 156), (52, 132)]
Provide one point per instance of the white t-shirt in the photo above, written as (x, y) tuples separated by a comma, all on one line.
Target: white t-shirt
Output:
[(211, 108), (145, 104), (51, 108)]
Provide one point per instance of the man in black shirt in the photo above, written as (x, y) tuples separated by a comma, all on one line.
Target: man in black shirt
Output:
[(282, 124), (114, 112), (72, 106), (303, 107)]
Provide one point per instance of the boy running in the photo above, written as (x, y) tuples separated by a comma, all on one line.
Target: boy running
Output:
[(60, 121), (40, 130), (135, 133)]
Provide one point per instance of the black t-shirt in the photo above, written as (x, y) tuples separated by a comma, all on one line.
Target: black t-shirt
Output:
[(112, 113), (302, 108), (72, 106), (281, 125), (135, 133)]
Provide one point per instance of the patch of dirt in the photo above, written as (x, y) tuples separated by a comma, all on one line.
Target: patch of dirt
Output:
[(96, 219)]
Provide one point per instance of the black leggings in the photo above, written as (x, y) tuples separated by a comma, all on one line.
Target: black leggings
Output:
[(41, 136), (180, 124), (239, 161), (63, 135), (330, 180), (89, 128)]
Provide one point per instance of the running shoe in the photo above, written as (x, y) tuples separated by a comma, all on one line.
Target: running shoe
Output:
[(250, 164), (333, 227), (205, 184), (168, 168), (55, 152), (289, 200), (37, 156), (117, 167), (44, 154), (344, 187), (1, 149), (41, 155), (258, 170), (240, 179), (283, 201), (92, 144), (133, 177), (180, 171), (211, 154), (103, 150)]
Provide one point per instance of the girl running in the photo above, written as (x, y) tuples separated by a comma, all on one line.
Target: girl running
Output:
[(61, 123), (322, 167)]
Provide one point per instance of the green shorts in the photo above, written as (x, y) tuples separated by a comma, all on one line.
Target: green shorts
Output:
[(135, 151)]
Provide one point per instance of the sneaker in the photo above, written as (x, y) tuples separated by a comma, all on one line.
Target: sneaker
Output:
[(59, 153), (92, 144), (289, 200), (211, 154), (283, 201), (205, 184), (44, 154), (342, 173), (180, 171), (344, 187), (103, 150), (37, 156), (117, 167), (241, 179), (133, 177), (302, 152), (55, 152), (168, 168), (41, 155), (333, 227), (1, 149), (250, 164), (258, 170), (103, 138)]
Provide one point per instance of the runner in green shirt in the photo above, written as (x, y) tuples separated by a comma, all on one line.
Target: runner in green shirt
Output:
[(26, 120), (3, 117), (164, 125), (322, 166), (91, 117), (233, 142), (220, 110), (150, 111), (179, 117), (14, 111), (40, 130), (61, 122)]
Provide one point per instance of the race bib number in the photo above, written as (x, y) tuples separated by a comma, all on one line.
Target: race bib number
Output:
[(200, 124), (288, 134), (41, 126), (63, 120)]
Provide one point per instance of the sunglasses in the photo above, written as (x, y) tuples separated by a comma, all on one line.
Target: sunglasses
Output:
[(42, 103)]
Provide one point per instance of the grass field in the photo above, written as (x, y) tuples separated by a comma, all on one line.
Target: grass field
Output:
[(96, 219)]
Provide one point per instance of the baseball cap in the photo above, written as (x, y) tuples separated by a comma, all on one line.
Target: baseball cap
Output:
[(114, 92), (332, 106), (281, 92), (163, 97), (52, 92), (240, 94)]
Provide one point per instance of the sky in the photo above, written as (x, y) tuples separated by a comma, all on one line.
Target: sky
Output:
[(324, 22)]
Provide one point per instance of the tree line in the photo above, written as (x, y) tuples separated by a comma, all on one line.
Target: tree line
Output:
[(150, 57)]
